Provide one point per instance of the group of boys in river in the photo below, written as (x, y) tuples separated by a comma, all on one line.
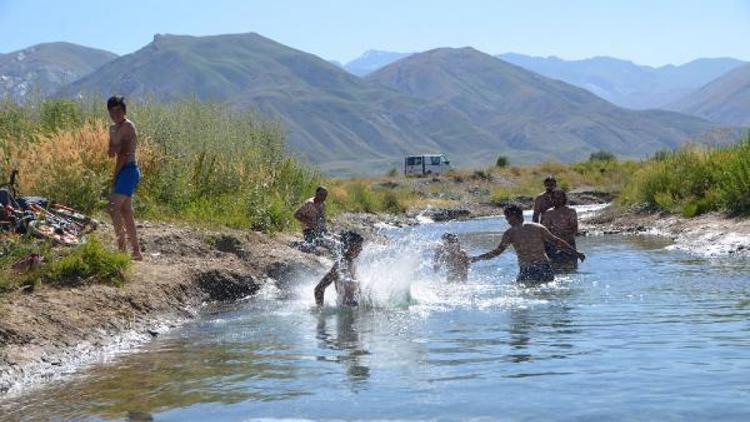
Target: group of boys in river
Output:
[(543, 246)]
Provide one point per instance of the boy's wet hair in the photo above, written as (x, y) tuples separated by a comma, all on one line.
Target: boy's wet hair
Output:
[(550, 179), (561, 193), (450, 237), (513, 211), (117, 100), (351, 238), (321, 189)]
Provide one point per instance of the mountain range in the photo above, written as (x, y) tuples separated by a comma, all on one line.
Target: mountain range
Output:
[(462, 102), (725, 100), (625, 83), (44, 68), (618, 81)]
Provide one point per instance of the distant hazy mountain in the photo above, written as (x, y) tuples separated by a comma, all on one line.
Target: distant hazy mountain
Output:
[(625, 83), (530, 115), (336, 119), (45, 68), (373, 60), (724, 100), (458, 101)]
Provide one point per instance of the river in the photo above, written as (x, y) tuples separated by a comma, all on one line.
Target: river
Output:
[(640, 332)]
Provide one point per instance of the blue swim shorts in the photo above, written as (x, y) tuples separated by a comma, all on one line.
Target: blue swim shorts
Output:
[(127, 180)]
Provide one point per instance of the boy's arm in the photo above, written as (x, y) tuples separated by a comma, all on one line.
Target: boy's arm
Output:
[(495, 252), (537, 210), (326, 281), (549, 237), (303, 215), (436, 259)]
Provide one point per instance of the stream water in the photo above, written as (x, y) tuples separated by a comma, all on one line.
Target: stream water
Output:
[(640, 332)]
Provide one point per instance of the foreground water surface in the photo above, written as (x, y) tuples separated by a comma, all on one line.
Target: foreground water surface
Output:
[(639, 332)]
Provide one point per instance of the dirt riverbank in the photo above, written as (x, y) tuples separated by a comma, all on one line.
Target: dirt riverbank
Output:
[(710, 235), (50, 331)]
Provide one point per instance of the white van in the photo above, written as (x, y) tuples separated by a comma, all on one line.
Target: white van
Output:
[(420, 165)]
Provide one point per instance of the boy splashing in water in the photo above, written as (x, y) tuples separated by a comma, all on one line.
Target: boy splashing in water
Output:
[(343, 274), (450, 255)]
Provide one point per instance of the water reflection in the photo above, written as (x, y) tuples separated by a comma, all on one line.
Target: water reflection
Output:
[(347, 340), (180, 374)]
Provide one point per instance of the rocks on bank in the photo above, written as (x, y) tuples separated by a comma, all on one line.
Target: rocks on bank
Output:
[(710, 234)]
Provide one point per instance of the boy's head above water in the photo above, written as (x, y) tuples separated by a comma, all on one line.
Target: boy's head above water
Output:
[(559, 198), (352, 242), (449, 238), (513, 214)]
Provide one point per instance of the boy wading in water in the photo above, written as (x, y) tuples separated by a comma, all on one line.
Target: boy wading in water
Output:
[(543, 201), (122, 143), (343, 274), (562, 221), (528, 241), (450, 255)]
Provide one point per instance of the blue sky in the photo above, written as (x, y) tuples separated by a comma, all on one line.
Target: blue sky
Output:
[(648, 32)]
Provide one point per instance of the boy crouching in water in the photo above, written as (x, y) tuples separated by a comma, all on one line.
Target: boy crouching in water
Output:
[(343, 274), (450, 255)]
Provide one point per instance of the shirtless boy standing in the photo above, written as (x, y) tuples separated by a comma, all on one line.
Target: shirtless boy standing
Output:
[(528, 241), (543, 201), (122, 143), (562, 221)]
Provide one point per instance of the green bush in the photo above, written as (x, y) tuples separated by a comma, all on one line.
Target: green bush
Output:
[(694, 180), (602, 156), (502, 161), (90, 262)]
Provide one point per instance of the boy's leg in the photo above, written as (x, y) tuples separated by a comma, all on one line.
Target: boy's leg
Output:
[(129, 223), (115, 211)]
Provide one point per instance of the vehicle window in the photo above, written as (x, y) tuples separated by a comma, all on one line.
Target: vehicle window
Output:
[(411, 161), (435, 161), (417, 161)]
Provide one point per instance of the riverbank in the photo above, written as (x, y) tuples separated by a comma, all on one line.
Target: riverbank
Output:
[(48, 332), (710, 235)]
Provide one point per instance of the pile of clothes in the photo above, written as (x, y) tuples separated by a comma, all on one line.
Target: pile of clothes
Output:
[(41, 217)]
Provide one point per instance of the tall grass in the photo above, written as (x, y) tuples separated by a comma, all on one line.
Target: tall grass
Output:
[(693, 180), (201, 162)]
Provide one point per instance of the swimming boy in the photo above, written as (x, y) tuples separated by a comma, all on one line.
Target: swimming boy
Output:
[(562, 221), (528, 240), (543, 201), (122, 143), (343, 273), (450, 255)]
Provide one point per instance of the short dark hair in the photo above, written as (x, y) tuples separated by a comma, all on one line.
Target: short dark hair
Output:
[(562, 194), (351, 238), (451, 237), (513, 211), (550, 179), (117, 100), (321, 189)]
